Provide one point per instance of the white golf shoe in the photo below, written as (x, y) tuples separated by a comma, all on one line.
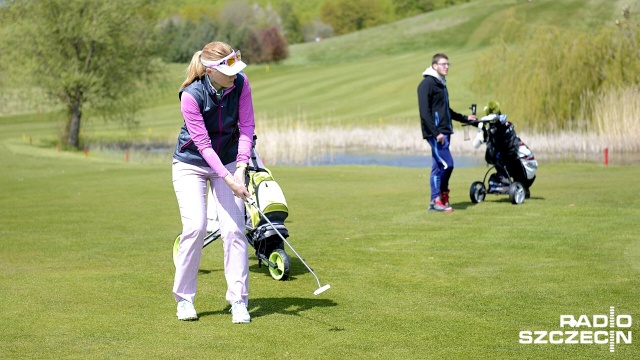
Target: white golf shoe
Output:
[(186, 311), (240, 313)]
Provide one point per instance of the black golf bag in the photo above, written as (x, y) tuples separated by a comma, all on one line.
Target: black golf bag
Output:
[(511, 155)]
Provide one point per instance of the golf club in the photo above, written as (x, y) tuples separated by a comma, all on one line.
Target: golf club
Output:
[(251, 201)]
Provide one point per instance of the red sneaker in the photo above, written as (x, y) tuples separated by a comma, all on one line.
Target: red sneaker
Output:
[(438, 205), (445, 198)]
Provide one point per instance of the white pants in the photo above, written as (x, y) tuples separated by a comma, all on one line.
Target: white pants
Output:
[(190, 185), (212, 214)]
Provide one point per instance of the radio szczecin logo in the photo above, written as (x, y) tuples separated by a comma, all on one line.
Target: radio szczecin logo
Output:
[(601, 329)]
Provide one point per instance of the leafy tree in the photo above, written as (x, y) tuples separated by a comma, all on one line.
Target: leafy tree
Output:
[(233, 35), (181, 38), (82, 52), (412, 7), (290, 23), (195, 13), (238, 13), (346, 16)]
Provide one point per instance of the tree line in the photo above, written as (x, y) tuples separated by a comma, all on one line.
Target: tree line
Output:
[(264, 32), (253, 29)]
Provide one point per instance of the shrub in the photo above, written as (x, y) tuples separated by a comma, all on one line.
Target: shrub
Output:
[(252, 29), (274, 45), (351, 15)]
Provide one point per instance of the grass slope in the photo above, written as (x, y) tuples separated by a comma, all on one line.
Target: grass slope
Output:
[(86, 270)]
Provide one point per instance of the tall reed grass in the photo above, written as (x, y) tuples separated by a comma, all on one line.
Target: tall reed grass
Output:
[(276, 147), (545, 75), (616, 113), (292, 140)]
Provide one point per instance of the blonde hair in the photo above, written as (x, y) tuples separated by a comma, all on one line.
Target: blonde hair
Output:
[(212, 51)]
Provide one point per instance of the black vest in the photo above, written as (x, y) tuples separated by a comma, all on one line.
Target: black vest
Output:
[(220, 119)]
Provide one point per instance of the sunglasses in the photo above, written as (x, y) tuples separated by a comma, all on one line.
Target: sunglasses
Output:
[(228, 60)]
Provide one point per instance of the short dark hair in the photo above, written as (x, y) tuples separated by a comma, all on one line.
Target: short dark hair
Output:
[(437, 58)]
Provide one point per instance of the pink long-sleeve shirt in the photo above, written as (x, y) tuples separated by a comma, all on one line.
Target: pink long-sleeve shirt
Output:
[(195, 125)]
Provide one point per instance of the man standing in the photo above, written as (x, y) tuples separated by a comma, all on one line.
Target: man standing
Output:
[(435, 117)]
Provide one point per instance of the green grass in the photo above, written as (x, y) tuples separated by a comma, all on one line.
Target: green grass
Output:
[(86, 270), (85, 255)]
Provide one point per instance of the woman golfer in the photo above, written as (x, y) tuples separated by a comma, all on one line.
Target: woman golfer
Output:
[(213, 146)]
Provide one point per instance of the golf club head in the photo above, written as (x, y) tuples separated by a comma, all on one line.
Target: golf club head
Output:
[(322, 289)]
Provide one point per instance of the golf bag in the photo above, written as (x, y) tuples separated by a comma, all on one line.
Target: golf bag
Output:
[(271, 201), (511, 155), (514, 163)]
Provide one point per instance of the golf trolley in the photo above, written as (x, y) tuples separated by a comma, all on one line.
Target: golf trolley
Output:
[(514, 164)]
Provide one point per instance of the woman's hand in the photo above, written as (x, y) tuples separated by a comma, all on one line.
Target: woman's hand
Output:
[(239, 175), (237, 187)]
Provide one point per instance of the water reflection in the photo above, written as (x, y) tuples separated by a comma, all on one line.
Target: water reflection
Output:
[(423, 160), (460, 161), (396, 160)]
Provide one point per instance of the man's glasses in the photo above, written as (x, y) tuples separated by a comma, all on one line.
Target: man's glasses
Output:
[(228, 60), (443, 64)]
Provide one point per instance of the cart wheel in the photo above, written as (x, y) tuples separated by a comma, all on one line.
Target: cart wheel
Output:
[(281, 259), (477, 192), (176, 245), (516, 193)]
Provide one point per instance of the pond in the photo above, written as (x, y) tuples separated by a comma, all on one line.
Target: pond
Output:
[(162, 154), (461, 161), (397, 160)]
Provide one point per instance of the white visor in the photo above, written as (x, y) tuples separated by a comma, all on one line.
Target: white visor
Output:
[(222, 64), (231, 70)]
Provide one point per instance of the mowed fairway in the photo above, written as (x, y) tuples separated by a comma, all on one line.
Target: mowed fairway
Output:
[(86, 270), (85, 242)]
